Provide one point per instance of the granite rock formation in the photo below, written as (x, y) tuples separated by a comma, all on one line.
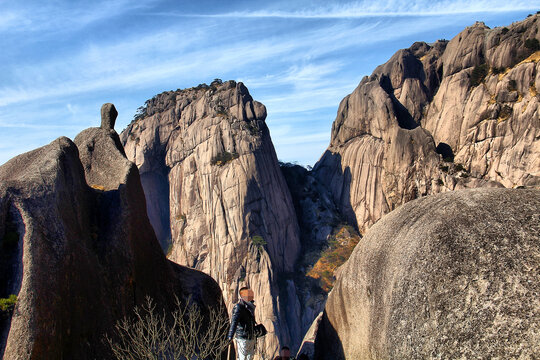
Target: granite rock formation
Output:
[(318, 218), (78, 249), (454, 114), (108, 116), (451, 275), (217, 198)]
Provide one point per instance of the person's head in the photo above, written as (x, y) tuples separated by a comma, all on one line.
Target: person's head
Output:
[(246, 294), (285, 352)]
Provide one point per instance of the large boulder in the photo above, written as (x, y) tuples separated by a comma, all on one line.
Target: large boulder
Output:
[(450, 276), (80, 257)]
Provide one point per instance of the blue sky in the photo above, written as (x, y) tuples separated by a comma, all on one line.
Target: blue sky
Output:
[(61, 60)]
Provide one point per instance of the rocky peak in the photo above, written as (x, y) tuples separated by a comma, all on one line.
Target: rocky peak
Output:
[(409, 81), (470, 104), (217, 198), (465, 50), (222, 101)]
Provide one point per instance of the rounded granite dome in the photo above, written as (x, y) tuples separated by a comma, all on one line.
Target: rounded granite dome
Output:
[(449, 276)]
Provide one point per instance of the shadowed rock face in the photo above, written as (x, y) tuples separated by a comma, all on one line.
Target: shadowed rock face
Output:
[(84, 256), (213, 185), (451, 275), (108, 116), (319, 223), (420, 125)]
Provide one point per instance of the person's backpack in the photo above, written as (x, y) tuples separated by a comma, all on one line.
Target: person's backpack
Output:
[(260, 330)]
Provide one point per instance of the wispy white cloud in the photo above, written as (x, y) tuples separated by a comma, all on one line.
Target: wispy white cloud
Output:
[(300, 69), (55, 116), (389, 8), (298, 75), (55, 16), (98, 66), (308, 99), (35, 126), (73, 109), (12, 19), (170, 54), (313, 86)]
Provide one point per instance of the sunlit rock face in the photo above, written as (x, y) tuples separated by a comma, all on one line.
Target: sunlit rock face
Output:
[(454, 114), (446, 276), (78, 250), (217, 197)]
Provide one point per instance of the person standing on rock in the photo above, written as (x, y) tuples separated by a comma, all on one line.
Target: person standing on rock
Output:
[(243, 325)]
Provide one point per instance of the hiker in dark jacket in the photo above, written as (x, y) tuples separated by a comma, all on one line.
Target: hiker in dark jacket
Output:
[(243, 325)]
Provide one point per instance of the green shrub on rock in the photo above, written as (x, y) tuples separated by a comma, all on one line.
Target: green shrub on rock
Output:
[(532, 44), (223, 158), (478, 74), (258, 240), (7, 304)]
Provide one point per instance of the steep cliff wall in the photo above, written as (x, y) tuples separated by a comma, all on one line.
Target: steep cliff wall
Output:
[(211, 176), (450, 115), (78, 248), (446, 276), (319, 222)]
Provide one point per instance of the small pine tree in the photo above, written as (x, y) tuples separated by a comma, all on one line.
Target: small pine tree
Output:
[(7, 304)]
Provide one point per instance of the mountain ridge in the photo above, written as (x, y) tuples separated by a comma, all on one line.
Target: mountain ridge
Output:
[(388, 145), (419, 119)]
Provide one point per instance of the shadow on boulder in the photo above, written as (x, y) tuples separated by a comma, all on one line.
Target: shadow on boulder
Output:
[(327, 342)]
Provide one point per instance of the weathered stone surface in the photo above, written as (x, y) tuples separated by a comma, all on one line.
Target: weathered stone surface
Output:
[(83, 256), (417, 126), (108, 116), (213, 184), (452, 275), (308, 343), (318, 220), (465, 50)]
